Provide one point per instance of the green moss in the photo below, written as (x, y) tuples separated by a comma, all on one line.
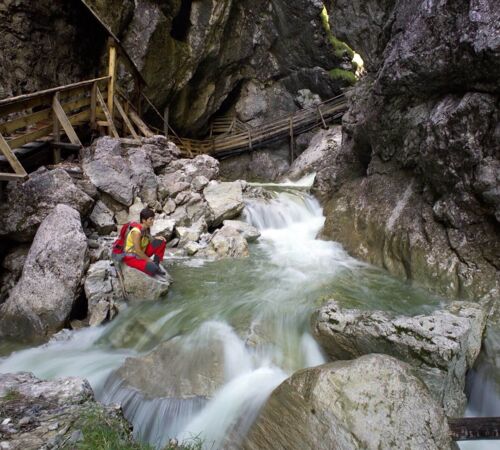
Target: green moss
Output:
[(340, 49), (103, 432), (10, 395), (343, 75)]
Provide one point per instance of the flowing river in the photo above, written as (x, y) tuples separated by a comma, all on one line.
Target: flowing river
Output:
[(258, 308)]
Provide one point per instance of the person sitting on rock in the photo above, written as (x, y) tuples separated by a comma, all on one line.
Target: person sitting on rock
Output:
[(142, 252)]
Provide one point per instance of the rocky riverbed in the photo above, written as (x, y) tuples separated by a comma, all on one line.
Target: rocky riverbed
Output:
[(71, 214)]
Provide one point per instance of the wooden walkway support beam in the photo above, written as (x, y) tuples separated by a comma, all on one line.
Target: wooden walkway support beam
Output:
[(475, 428), (13, 161), (112, 80)]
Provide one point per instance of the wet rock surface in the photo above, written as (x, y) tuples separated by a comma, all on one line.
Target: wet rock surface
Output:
[(42, 300), (441, 347), (42, 415), (103, 292), (372, 402), (428, 109), (140, 287)]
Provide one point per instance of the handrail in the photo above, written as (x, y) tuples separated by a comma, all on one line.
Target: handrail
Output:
[(21, 98)]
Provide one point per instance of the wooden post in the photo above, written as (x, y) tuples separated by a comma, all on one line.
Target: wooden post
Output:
[(322, 118), (165, 120), (291, 141), (112, 79), (56, 133), (93, 107), (110, 124)]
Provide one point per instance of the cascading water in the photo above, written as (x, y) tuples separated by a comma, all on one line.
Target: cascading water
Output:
[(257, 309)]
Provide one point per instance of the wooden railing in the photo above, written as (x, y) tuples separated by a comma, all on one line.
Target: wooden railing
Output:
[(287, 127)]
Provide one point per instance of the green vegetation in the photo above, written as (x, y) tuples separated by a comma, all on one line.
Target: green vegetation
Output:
[(344, 75), (340, 48), (10, 395), (103, 432)]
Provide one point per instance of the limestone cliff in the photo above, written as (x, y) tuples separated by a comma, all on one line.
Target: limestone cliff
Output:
[(422, 141)]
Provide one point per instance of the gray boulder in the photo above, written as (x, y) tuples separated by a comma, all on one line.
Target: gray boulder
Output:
[(140, 287), (163, 227), (441, 347), (143, 175), (39, 415), (191, 234), (225, 200), (226, 242), (167, 371), (108, 169), (28, 204), (103, 292), (372, 402), (249, 232), (41, 302), (102, 218)]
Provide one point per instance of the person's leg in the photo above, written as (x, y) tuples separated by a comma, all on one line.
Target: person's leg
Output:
[(147, 267), (156, 248)]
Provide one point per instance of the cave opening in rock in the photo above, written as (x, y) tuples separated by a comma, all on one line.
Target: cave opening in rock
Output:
[(181, 23), (230, 101), (80, 308)]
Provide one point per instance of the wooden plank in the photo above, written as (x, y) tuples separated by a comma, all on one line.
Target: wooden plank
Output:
[(11, 176), (140, 124), (64, 121), (11, 157), (93, 103), (50, 92), (111, 82), (110, 123), (122, 113), (75, 119), (474, 428), (56, 133), (39, 116)]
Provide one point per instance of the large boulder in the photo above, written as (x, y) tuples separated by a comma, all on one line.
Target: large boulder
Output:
[(28, 203), (441, 347), (140, 287), (225, 200), (40, 414), (370, 403), (103, 292), (102, 218), (107, 168), (249, 232), (226, 242), (167, 372), (41, 302), (120, 173)]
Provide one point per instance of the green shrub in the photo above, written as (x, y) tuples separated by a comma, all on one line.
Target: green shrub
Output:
[(340, 48), (343, 75)]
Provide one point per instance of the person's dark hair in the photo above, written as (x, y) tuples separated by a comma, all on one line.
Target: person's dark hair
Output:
[(146, 213)]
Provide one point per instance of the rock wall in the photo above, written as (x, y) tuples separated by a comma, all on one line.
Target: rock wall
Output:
[(422, 135), (45, 44), (202, 57)]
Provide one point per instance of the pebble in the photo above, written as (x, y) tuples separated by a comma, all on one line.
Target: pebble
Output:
[(4, 445), (54, 426), (6, 421), (24, 421)]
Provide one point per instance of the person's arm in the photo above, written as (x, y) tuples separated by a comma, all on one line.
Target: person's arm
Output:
[(136, 240)]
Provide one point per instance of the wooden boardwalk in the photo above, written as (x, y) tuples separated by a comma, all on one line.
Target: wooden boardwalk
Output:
[(241, 137)]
